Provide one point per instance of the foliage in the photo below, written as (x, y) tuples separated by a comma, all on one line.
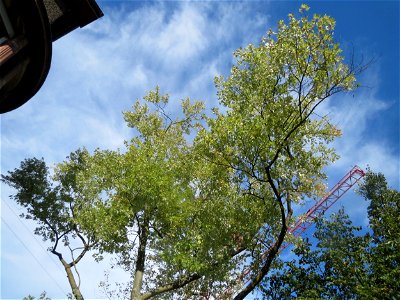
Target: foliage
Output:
[(384, 252), (269, 141), (347, 264), (194, 198), (188, 204), (334, 270), (141, 200)]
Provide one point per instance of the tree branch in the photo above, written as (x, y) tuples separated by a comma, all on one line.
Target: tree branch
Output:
[(181, 282)]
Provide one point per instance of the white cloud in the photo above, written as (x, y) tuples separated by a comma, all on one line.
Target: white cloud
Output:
[(356, 115), (183, 37), (106, 135)]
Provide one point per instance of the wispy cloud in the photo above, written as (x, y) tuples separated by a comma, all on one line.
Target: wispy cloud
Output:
[(356, 114)]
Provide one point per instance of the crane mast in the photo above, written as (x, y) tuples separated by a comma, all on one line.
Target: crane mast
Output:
[(346, 183)]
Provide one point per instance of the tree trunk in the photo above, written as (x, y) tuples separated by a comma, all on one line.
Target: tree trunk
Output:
[(71, 279), (140, 261), (275, 248)]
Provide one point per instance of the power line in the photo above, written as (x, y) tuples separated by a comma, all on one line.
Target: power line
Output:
[(37, 260), (33, 235)]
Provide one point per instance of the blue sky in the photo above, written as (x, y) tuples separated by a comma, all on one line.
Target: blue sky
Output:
[(98, 71)]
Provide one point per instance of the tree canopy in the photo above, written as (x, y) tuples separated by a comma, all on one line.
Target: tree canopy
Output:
[(194, 198)]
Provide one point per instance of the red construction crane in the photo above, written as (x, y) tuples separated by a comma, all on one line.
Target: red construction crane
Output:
[(305, 221), (346, 183)]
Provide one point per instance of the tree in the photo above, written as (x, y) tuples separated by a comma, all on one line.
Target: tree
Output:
[(53, 202), (269, 138), (335, 270), (345, 263), (251, 162), (140, 201), (193, 199), (384, 250)]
